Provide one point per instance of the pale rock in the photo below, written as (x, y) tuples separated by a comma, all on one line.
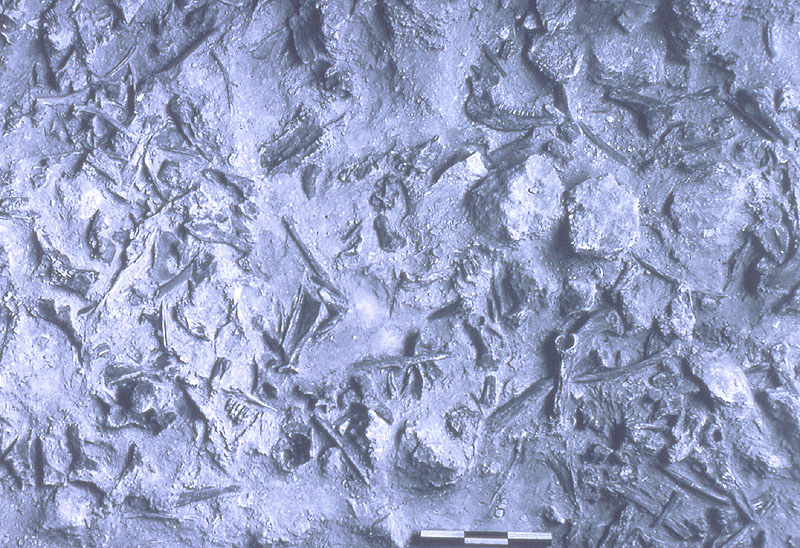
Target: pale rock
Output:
[(603, 217), (722, 378)]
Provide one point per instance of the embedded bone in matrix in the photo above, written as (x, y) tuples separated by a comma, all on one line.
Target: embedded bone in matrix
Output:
[(344, 273)]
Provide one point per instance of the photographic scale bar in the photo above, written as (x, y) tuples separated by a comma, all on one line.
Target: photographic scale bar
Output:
[(526, 539)]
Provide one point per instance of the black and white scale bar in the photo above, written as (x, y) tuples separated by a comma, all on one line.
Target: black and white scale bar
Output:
[(486, 538)]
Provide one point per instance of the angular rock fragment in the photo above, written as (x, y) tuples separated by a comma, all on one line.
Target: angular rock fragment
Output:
[(440, 227), (57, 31), (428, 458), (722, 378), (642, 299), (461, 421), (559, 55), (678, 319), (521, 204), (413, 24), (464, 173), (603, 217), (379, 439), (788, 99), (169, 173), (708, 213), (623, 59), (579, 294), (332, 463), (531, 23), (688, 25), (784, 406), (70, 509), (59, 270), (556, 14), (369, 434), (700, 209), (634, 14)]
